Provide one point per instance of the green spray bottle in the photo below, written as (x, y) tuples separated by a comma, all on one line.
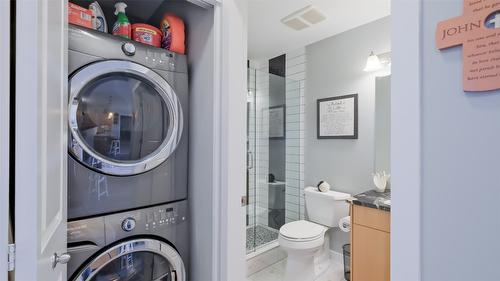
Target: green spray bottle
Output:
[(122, 25)]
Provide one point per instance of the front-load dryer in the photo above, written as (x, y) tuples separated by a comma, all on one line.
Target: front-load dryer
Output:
[(128, 116), (140, 245)]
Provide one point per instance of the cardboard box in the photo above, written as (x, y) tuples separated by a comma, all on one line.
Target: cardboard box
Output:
[(79, 15)]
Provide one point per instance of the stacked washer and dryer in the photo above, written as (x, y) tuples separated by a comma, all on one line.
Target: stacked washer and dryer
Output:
[(127, 163)]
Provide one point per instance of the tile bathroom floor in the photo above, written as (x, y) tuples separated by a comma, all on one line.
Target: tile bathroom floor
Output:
[(276, 272)]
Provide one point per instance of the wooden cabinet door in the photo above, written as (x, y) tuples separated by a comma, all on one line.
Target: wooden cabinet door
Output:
[(370, 254)]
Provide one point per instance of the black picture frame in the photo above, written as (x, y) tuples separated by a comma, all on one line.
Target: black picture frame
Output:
[(354, 134), (282, 134)]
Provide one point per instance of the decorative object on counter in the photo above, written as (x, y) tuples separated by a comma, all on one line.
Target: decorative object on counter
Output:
[(477, 30), (271, 178), (146, 34), (323, 186), (122, 25), (98, 19), (173, 34), (380, 180), (337, 117), (345, 224), (78, 15)]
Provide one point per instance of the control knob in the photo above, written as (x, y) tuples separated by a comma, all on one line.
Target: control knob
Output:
[(128, 49), (128, 224)]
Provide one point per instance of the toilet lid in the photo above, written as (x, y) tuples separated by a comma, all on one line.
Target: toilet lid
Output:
[(302, 230)]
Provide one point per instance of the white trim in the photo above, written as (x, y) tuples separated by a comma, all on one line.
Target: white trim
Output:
[(27, 63), (217, 165), (4, 134), (231, 124), (263, 249), (337, 257), (406, 140)]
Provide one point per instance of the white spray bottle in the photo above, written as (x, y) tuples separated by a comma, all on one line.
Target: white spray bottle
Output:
[(98, 19)]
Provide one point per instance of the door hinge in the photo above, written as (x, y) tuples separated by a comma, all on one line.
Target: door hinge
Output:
[(11, 257)]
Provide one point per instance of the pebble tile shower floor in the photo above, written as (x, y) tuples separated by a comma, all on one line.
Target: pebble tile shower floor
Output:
[(260, 235)]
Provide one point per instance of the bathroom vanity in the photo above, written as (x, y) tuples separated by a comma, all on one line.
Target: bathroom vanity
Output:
[(370, 236)]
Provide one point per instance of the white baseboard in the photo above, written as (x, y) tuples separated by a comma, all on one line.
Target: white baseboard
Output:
[(337, 257)]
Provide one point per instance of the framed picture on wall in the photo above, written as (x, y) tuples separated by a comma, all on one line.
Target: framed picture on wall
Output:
[(277, 122), (337, 117)]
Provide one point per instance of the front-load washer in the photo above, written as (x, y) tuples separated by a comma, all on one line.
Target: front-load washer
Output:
[(141, 245), (128, 116)]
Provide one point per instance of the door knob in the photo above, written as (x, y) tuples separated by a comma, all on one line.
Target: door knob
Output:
[(62, 259)]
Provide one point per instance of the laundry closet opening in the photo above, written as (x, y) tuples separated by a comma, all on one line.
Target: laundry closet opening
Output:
[(140, 139)]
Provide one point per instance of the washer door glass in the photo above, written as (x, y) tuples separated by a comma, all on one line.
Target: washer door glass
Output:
[(139, 266), (124, 118), (136, 260)]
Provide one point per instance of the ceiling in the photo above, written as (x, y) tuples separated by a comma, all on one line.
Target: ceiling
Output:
[(268, 37)]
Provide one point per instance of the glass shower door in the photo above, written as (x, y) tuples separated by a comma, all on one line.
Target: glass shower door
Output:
[(251, 148), (273, 157)]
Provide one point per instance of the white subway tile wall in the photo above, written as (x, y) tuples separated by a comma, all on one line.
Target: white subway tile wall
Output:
[(295, 91)]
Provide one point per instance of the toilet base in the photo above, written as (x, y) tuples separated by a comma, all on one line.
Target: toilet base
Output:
[(308, 264), (299, 268)]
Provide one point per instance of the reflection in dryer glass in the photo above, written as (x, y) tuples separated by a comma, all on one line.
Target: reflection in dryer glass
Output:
[(138, 266), (122, 117)]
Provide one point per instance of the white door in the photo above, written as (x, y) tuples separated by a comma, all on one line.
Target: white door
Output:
[(40, 139), (230, 239), (4, 134)]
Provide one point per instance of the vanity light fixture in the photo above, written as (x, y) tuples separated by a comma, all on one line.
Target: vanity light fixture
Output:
[(377, 62), (372, 63)]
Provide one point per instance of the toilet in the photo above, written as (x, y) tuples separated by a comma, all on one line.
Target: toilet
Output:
[(307, 241)]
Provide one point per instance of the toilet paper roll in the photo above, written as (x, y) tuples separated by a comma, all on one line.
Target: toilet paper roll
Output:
[(345, 224)]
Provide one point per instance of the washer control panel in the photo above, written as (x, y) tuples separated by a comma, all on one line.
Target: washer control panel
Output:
[(165, 60), (162, 217), (147, 221)]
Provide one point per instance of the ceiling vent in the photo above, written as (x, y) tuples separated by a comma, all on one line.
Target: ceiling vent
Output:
[(303, 18)]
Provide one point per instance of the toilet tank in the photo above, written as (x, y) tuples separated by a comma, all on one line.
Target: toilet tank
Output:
[(326, 208)]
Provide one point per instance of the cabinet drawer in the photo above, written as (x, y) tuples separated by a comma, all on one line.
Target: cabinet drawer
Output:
[(370, 217)]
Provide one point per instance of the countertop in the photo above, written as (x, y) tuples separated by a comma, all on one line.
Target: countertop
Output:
[(374, 199)]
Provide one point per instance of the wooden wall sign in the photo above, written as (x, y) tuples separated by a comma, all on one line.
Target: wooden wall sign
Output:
[(478, 30)]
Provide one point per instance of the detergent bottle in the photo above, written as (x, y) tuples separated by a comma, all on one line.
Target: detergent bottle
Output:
[(122, 25)]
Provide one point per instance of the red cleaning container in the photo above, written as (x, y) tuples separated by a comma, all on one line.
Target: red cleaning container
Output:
[(146, 34), (173, 34), (79, 15)]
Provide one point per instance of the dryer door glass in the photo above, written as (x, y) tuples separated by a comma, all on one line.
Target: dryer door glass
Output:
[(124, 118)]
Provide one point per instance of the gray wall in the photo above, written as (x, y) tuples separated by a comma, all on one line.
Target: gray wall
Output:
[(200, 52), (382, 161), (335, 67), (460, 164)]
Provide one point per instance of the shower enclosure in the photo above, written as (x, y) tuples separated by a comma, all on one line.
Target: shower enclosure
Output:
[(274, 157)]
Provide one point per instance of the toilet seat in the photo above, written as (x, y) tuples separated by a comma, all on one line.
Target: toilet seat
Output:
[(302, 231)]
